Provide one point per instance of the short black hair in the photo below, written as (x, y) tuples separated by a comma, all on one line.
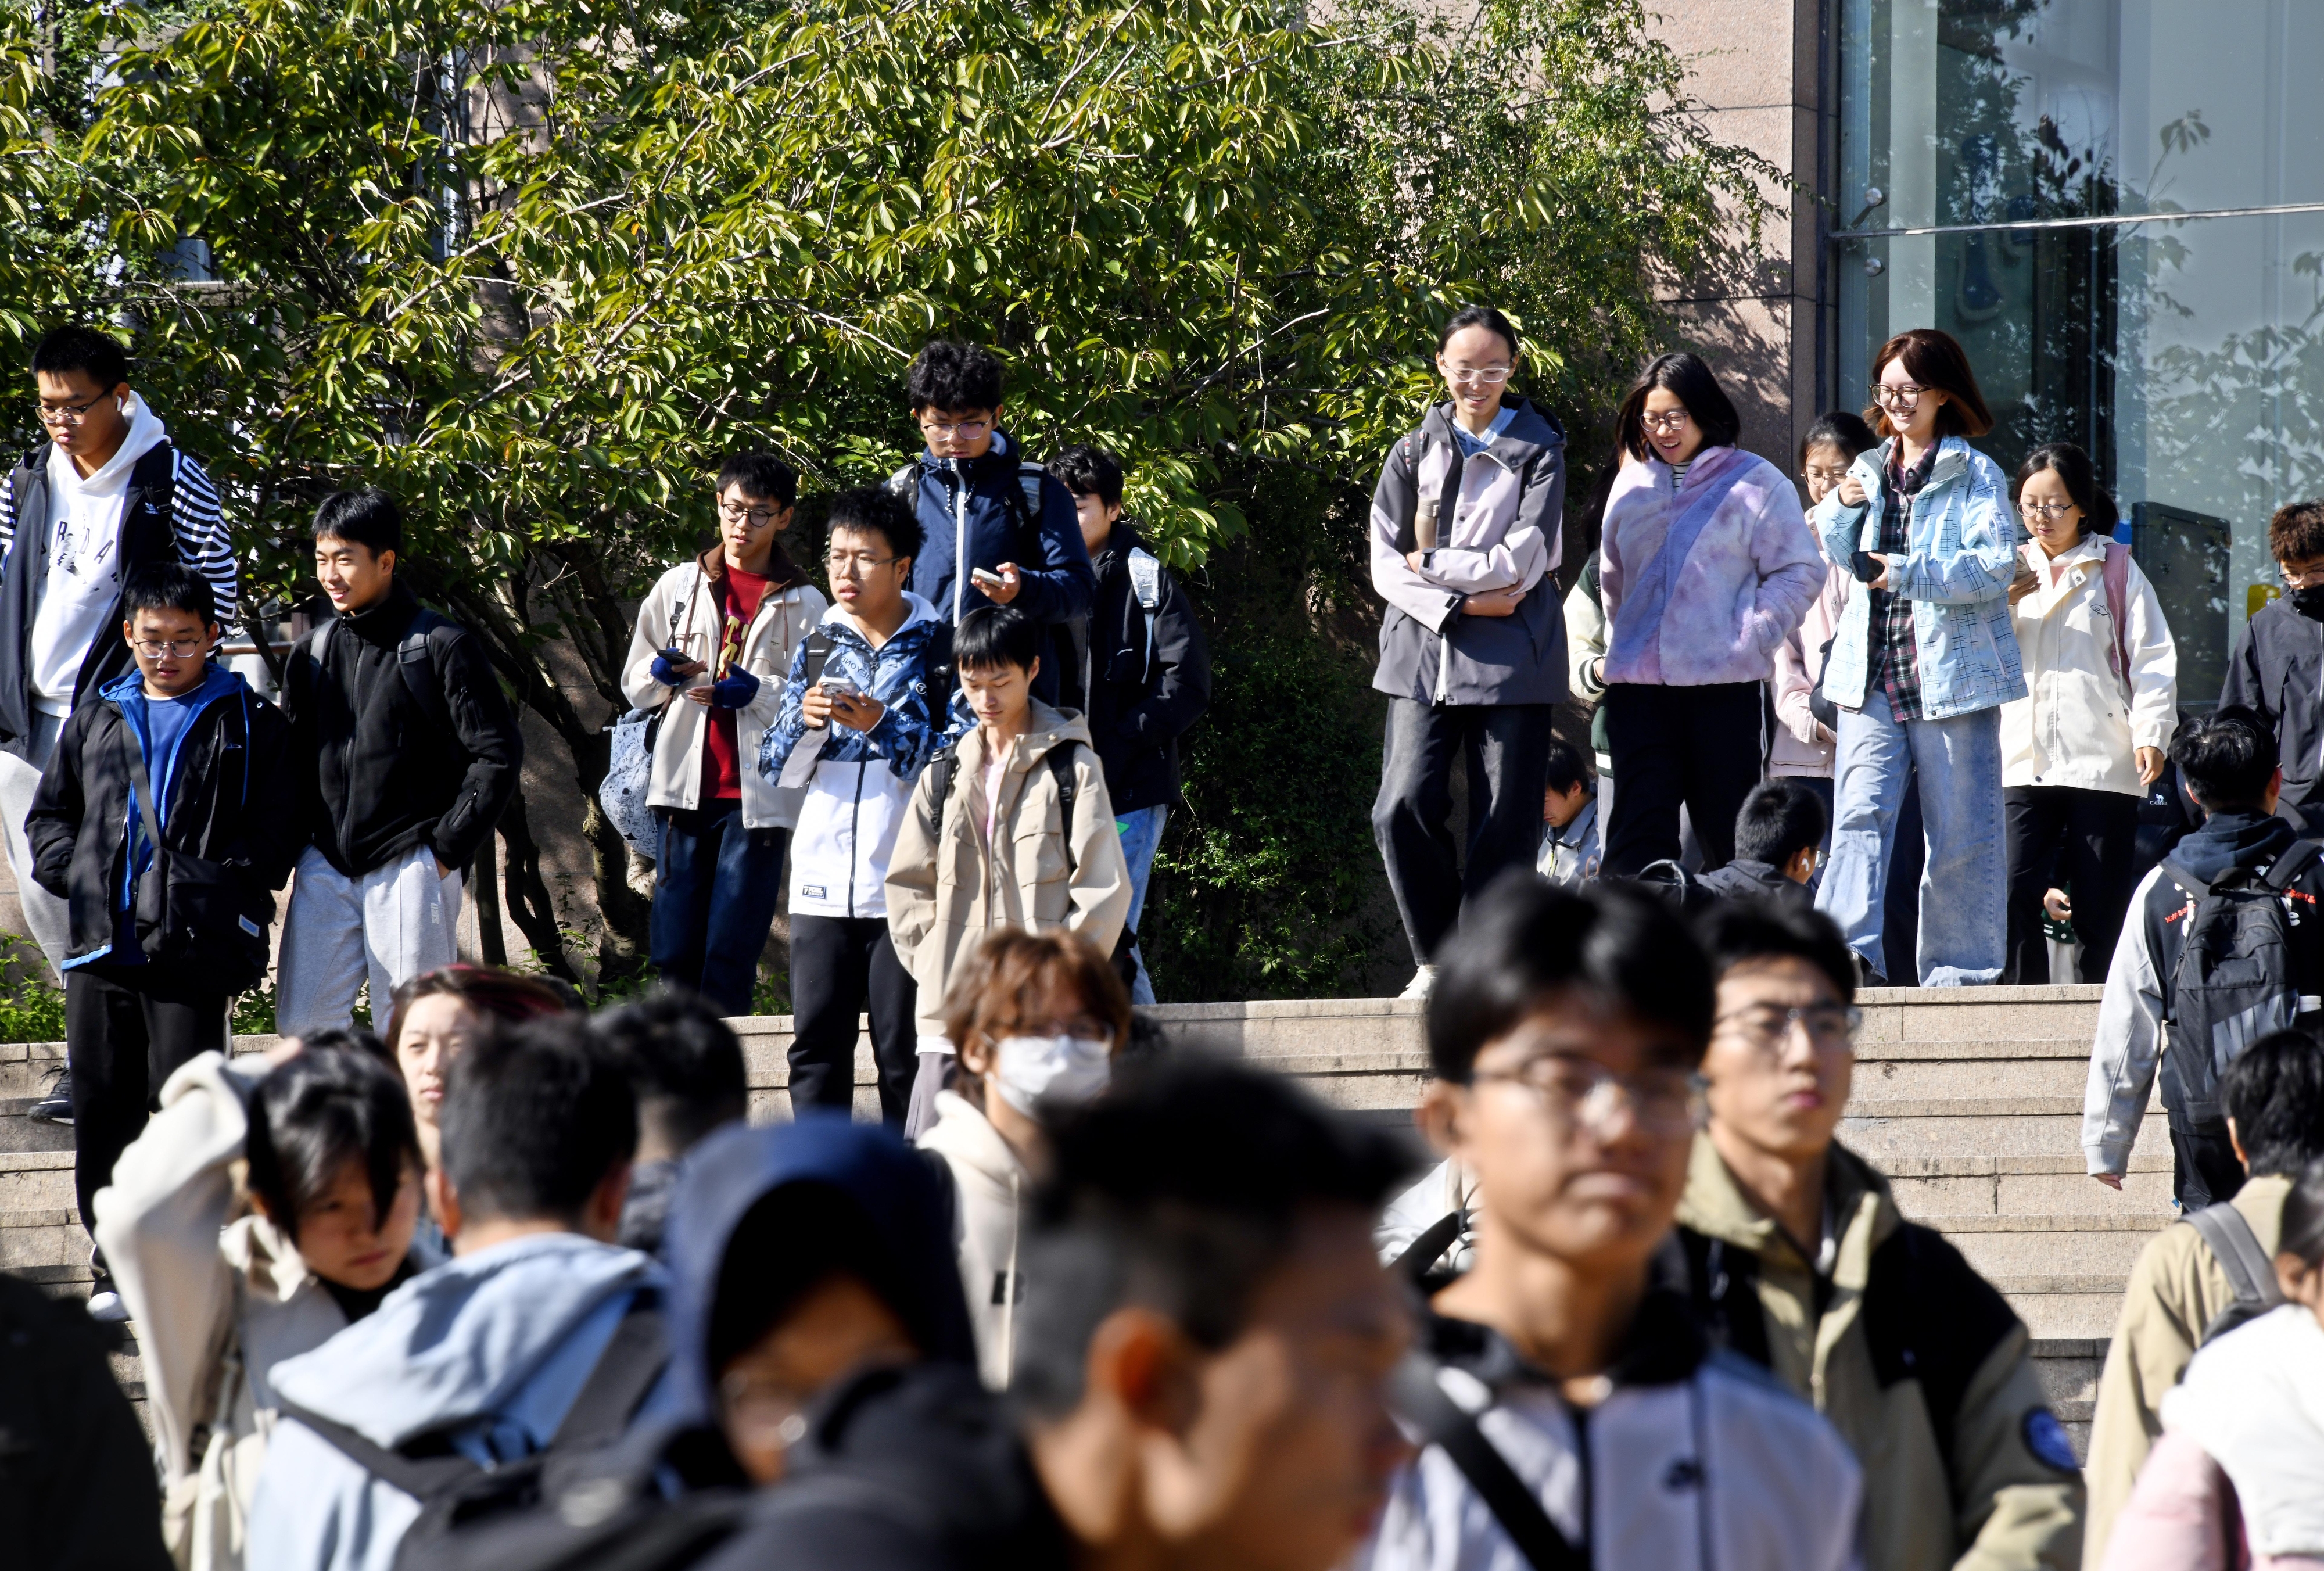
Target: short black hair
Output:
[(1524, 941), (368, 518), (2226, 757), (1779, 819), (74, 347), (2075, 471), (2275, 1091), (1087, 471), (1485, 317), (953, 375), (997, 635), (1840, 428), (2296, 532), (170, 586), (762, 476), (534, 1117), (314, 1114), (1736, 930), (876, 510), (1566, 767), (683, 1064), (351, 1039), (1179, 1190), (1685, 377)]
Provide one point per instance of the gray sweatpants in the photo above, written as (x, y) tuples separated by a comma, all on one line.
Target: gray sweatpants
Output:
[(386, 926), (47, 916)]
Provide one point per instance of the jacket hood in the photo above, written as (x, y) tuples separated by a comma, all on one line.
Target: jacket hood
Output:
[(459, 1342), (898, 1193), (1045, 728), (1534, 430), (146, 433), (2228, 840), (217, 682), (782, 573), (1715, 1206), (964, 1134), (917, 610), (1004, 450)]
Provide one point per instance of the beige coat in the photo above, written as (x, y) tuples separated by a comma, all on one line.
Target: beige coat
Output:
[(1996, 1504), (785, 618), (218, 1300), (947, 888), (993, 1186), (2176, 1288), (2077, 726)]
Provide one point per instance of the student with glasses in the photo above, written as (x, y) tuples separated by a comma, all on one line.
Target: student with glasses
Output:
[(2080, 749), (1798, 1260), (1921, 665), (713, 642)]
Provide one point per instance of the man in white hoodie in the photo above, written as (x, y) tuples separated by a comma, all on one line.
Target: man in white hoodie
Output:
[(108, 498)]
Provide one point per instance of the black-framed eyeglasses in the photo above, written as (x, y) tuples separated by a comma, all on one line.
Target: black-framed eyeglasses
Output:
[(2045, 510), (1896, 394), (757, 517)]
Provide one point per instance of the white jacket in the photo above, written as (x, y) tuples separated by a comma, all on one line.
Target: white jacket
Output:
[(992, 1185), (219, 1301), (784, 618), (2076, 726), (1798, 747), (2253, 1401)]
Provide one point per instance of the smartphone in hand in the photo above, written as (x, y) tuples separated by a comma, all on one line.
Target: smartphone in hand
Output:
[(983, 580)]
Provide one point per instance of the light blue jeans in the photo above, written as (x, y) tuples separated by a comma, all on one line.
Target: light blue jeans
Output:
[(1142, 835), (1964, 888)]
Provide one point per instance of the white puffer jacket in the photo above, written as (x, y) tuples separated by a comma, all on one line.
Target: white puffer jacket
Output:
[(2077, 726)]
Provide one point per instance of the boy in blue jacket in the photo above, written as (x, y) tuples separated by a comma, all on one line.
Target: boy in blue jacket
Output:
[(863, 710), (167, 817)]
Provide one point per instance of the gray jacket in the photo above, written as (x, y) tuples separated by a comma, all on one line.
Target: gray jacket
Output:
[(1504, 533)]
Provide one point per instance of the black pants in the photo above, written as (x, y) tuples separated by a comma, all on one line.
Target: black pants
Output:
[(2203, 1167), (843, 967), (1505, 748), (2084, 839), (121, 1043), (1705, 747)]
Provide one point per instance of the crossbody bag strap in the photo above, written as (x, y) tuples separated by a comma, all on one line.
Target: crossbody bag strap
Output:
[(1424, 1404), (2249, 1270), (142, 784)]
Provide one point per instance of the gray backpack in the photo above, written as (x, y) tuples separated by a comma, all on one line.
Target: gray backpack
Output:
[(2249, 1269)]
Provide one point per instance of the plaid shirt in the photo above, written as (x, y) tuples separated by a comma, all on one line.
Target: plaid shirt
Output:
[(1895, 656)]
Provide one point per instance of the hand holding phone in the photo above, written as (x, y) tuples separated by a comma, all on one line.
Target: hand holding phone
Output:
[(985, 580)]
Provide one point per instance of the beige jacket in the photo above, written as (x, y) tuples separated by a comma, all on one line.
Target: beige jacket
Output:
[(785, 618), (947, 889), (218, 1298), (1993, 1502), (993, 1186), (2176, 1288), (2077, 725)]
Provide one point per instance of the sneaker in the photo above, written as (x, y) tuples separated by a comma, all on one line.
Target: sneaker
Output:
[(55, 1105), (107, 1308), (1422, 984)]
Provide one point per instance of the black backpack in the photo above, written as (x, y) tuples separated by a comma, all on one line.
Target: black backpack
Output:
[(457, 1496), (2237, 977), (1687, 894), (2249, 1269)]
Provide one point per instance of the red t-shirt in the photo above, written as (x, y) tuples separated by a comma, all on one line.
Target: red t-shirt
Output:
[(739, 593)]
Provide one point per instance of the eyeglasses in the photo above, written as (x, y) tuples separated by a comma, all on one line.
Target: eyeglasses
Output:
[(1490, 375), (1896, 394), (1767, 1026), (2300, 577), (758, 517), (2045, 510), (945, 430), (1670, 420), (1830, 477), (1666, 1102), (168, 649), (848, 564), (70, 414)]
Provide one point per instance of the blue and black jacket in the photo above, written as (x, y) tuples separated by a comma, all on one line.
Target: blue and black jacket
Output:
[(229, 814)]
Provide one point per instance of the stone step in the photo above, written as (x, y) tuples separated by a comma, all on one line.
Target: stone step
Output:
[(1934, 1189), (36, 1180), (1883, 1131), (2100, 1245)]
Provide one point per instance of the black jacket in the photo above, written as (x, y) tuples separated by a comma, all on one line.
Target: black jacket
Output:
[(77, 1485), (231, 822), (388, 775), (1145, 679), (1741, 880), (912, 1469), (2278, 668)]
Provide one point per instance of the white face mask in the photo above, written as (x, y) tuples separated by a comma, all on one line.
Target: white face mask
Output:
[(1070, 1069)]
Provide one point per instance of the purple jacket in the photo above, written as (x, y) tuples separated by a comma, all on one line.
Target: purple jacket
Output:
[(1703, 584)]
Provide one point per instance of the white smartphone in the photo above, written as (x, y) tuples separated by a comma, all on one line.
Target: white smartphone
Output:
[(839, 686), (984, 580)]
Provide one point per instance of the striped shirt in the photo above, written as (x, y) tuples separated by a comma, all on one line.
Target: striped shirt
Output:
[(197, 523)]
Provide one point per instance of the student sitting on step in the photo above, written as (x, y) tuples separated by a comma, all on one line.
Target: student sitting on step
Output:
[(1777, 840), (2181, 1293), (1799, 1260)]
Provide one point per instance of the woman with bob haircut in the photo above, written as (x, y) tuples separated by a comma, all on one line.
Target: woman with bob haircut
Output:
[(2079, 751), (1921, 666), (1038, 1020), (1707, 568), (225, 1280)]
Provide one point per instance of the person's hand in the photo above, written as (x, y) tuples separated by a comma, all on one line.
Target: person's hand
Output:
[(1851, 491), (815, 707), (2058, 906), (1826, 734), (2111, 1180), (698, 696), (1492, 603), (670, 676), (1416, 560), (442, 872), (1598, 669), (281, 1053), (2024, 583), (1012, 581), (857, 711), (1887, 563), (2150, 765)]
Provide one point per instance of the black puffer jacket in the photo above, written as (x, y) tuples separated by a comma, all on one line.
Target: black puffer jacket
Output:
[(388, 775), (1146, 678)]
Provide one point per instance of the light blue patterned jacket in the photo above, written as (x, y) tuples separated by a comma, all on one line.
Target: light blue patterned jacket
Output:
[(1962, 552)]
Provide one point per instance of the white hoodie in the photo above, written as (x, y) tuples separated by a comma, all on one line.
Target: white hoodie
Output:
[(2253, 1401), (84, 580), (991, 1184)]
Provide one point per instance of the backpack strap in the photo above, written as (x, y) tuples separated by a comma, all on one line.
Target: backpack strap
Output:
[(1146, 582), (2285, 871), (423, 1476), (1025, 501), (1060, 760), (154, 478), (2185, 880), (1422, 1403), (818, 655), (2249, 1270), (1424, 1251), (944, 769), (625, 1372), (415, 662)]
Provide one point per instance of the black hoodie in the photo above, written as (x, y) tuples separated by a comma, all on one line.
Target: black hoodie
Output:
[(1146, 678), (2278, 670)]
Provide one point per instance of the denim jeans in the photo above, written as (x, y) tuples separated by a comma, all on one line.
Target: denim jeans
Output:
[(1964, 887), (715, 885), (1141, 836)]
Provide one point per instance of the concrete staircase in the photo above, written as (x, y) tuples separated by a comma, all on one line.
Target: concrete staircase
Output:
[(1969, 1100)]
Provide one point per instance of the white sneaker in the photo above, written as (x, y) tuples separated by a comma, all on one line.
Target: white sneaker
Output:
[(107, 1308), (1422, 984)]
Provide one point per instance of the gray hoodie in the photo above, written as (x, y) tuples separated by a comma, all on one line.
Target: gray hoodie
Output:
[(492, 1346)]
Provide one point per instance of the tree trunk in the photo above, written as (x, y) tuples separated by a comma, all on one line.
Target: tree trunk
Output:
[(484, 879), (528, 892)]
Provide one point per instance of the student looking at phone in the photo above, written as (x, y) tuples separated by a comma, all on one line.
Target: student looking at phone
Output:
[(864, 709), (712, 642)]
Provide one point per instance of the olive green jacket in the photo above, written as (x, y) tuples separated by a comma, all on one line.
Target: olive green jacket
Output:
[(1914, 1358), (2176, 1288)]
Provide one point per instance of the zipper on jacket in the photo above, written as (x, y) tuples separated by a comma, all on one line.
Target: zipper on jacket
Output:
[(959, 544), (854, 836), (1584, 1471)]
